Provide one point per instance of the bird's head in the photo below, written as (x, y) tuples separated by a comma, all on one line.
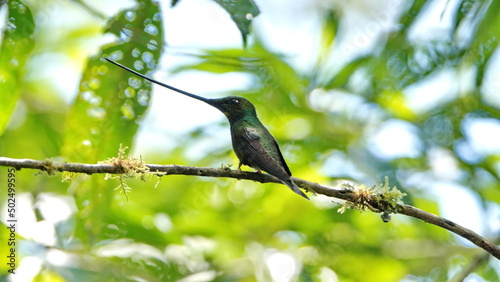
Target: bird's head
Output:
[(233, 107)]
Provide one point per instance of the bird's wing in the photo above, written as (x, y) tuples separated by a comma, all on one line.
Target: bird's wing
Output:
[(259, 153), (285, 166)]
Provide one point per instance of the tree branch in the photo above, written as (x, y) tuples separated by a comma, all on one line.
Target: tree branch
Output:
[(358, 199)]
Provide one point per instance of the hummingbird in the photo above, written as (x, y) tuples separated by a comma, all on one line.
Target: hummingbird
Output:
[(253, 144)]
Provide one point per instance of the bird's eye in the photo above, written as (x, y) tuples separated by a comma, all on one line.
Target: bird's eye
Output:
[(235, 101)]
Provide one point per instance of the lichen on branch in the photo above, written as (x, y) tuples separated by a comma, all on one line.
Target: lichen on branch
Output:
[(128, 167), (379, 198)]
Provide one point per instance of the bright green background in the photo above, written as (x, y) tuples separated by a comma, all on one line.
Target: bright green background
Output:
[(225, 228)]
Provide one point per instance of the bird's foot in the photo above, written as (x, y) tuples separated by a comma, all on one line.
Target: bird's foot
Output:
[(239, 169)]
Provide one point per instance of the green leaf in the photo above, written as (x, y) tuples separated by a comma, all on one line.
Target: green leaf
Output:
[(112, 101), (328, 34), (342, 78), (16, 46), (242, 12), (408, 18), (462, 12), (487, 38)]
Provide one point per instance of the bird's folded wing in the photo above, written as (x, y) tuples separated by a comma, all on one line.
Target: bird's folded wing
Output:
[(259, 153)]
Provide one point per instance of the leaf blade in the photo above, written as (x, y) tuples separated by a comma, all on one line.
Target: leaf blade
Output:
[(17, 43), (111, 102)]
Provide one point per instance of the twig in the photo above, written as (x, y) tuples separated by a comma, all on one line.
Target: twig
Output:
[(467, 270), (346, 194)]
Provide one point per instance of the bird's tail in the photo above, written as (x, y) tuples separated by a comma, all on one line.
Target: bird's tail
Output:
[(294, 187)]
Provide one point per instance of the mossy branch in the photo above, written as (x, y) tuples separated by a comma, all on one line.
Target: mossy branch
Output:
[(381, 199)]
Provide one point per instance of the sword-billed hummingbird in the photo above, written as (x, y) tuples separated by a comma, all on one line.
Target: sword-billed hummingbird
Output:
[(253, 144)]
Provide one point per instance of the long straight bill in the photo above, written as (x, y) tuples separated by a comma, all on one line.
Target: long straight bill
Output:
[(159, 83)]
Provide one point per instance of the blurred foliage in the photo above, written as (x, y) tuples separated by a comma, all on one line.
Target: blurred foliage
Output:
[(242, 13), (16, 45), (112, 101), (227, 230)]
